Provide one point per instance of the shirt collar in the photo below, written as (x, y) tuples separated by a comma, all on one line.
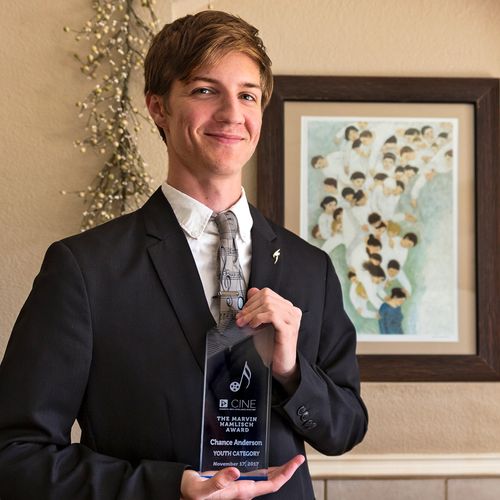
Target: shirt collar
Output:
[(193, 216)]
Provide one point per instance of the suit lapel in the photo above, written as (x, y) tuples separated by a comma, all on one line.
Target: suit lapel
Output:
[(174, 263), (266, 254), (175, 266)]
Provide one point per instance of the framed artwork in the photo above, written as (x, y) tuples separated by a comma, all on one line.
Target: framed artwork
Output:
[(397, 180)]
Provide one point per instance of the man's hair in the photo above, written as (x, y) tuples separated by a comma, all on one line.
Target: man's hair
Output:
[(348, 130), (375, 271), (412, 237), (326, 200), (406, 149), (359, 195), (315, 160), (347, 191), (357, 175), (412, 131), (393, 227), (330, 181), (373, 242), (411, 167), (374, 217), (393, 264), (398, 293), (366, 133), (380, 176), (191, 42)]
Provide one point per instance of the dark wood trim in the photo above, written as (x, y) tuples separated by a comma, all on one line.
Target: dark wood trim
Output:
[(483, 94)]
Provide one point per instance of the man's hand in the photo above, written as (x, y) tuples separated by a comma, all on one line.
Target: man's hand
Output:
[(223, 485), (265, 306)]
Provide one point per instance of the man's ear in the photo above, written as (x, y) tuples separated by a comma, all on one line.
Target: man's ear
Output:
[(156, 108)]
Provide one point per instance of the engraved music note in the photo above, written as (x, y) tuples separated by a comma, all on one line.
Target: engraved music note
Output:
[(247, 374)]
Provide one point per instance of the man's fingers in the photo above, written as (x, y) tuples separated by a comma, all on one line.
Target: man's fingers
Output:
[(278, 476), (286, 471), (194, 487), (251, 292), (221, 480)]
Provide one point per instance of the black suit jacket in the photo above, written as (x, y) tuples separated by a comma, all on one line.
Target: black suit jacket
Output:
[(113, 334)]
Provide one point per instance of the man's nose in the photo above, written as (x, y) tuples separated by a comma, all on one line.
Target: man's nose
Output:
[(229, 110)]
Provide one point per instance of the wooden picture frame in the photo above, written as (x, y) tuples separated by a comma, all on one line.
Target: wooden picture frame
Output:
[(483, 95)]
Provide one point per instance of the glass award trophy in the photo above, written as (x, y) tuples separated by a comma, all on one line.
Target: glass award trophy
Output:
[(237, 401)]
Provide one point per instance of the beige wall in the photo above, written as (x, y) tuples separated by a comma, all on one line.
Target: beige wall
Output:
[(40, 84)]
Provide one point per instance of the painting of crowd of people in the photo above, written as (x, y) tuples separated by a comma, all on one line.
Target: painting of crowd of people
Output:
[(380, 199)]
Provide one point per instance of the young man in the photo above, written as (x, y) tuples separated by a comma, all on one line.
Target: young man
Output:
[(325, 220), (391, 316), (113, 332)]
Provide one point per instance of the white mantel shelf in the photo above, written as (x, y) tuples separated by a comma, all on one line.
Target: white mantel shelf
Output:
[(404, 465)]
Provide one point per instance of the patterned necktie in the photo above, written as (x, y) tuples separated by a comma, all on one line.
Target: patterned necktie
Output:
[(232, 286)]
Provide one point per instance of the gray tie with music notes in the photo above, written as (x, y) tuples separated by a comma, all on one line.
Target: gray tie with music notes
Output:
[(232, 288)]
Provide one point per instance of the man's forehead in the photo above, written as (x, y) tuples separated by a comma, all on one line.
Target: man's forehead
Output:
[(234, 65), (201, 77)]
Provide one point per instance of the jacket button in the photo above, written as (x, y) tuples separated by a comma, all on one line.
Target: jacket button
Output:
[(301, 410), (310, 424), (304, 416)]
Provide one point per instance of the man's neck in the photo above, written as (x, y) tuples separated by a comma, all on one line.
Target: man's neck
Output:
[(218, 194)]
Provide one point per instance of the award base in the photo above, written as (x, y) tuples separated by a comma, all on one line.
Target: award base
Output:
[(237, 401)]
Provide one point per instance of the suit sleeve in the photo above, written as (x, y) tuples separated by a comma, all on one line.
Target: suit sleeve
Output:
[(43, 379), (326, 409)]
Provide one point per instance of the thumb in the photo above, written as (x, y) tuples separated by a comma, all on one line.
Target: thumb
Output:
[(221, 480)]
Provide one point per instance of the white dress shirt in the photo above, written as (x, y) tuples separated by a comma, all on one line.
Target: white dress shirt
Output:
[(203, 238)]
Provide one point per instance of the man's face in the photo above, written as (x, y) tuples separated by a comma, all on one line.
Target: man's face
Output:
[(392, 272), (213, 120), (410, 155), (362, 201), (388, 163), (389, 147), (399, 301), (321, 162), (406, 243), (352, 135), (429, 134), (330, 207)]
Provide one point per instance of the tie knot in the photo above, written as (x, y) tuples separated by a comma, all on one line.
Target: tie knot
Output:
[(227, 224)]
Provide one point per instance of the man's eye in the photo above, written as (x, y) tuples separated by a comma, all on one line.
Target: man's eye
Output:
[(202, 90), (248, 97)]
